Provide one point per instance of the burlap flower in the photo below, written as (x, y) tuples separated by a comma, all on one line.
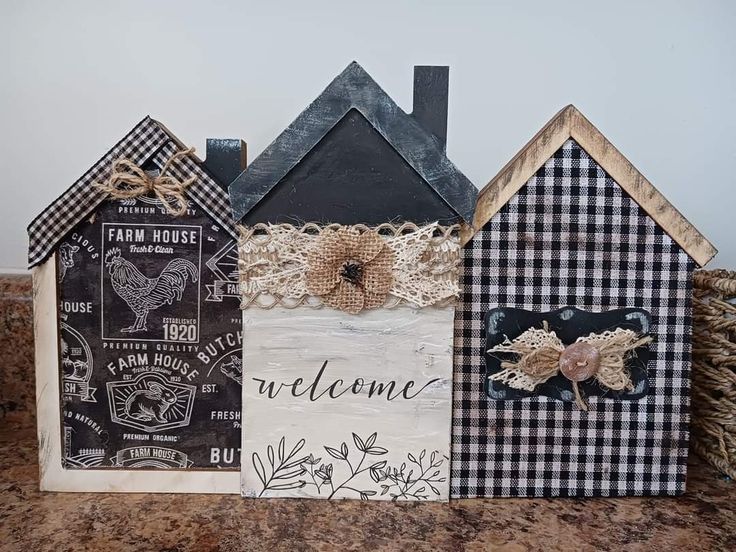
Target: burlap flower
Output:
[(350, 270)]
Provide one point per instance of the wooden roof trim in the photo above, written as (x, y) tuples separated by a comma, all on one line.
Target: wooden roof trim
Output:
[(640, 189), (570, 123), (509, 180)]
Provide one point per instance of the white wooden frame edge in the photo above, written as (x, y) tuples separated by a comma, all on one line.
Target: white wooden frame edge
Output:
[(52, 475)]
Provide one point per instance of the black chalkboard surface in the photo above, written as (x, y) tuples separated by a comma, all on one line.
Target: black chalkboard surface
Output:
[(353, 156), (568, 323), (150, 340)]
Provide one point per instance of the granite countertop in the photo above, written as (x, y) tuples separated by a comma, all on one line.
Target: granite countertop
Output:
[(703, 519)]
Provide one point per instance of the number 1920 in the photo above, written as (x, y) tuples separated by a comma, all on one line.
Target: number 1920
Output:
[(180, 332)]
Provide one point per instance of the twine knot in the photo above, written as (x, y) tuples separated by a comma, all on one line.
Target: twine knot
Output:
[(127, 180), (540, 355)]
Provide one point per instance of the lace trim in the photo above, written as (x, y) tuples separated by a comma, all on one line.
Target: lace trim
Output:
[(275, 260)]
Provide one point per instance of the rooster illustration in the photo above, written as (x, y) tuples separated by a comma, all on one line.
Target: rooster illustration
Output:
[(144, 294)]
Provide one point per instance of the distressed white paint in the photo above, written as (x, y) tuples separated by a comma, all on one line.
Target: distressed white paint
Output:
[(53, 476), (401, 345)]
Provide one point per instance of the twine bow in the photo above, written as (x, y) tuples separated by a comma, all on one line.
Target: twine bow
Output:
[(127, 180), (540, 355)]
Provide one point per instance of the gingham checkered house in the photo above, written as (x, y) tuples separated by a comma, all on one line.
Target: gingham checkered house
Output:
[(137, 327), (569, 222)]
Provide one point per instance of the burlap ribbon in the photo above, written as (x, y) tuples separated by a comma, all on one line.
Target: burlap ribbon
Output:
[(128, 180), (540, 355), (350, 268)]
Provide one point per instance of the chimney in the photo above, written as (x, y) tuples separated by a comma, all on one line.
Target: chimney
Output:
[(226, 159), (430, 99)]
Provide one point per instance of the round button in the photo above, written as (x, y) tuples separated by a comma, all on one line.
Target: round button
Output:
[(580, 361)]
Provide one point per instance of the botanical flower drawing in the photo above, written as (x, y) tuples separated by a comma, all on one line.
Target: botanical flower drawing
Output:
[(416, 479)]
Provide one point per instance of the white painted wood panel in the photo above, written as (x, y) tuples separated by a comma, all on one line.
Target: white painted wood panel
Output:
[(388, 434)]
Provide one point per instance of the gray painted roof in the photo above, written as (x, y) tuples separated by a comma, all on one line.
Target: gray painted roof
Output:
[(354, 89)]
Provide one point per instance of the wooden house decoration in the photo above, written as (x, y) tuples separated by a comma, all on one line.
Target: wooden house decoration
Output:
[(572, 367), (349, 251), (137, 326)]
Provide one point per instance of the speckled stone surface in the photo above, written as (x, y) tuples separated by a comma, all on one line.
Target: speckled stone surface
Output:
[(17, 393), (703, 519)]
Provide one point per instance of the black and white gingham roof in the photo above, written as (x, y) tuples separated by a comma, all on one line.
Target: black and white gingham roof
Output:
[(572, 237), (148, 141)]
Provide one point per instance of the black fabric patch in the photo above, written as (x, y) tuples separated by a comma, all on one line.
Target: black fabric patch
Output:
[(568, 324)]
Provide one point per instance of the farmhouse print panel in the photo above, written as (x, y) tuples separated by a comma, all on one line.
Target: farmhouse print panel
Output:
[(345, 406), (151, 361), (568, 235), (137, 330)]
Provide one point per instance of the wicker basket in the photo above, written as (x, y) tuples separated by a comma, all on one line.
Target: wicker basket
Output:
[(714, 369)]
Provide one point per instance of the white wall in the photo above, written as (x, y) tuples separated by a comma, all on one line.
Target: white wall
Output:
[(658, 78)]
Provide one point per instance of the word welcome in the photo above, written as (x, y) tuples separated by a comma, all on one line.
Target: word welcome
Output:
[(316, 390)]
